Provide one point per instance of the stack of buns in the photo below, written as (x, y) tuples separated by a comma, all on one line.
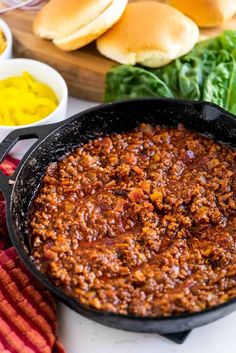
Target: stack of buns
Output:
[(72, 24), (151, 33)]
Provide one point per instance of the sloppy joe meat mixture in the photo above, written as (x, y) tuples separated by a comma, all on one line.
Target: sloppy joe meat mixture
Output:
[(140, 223)]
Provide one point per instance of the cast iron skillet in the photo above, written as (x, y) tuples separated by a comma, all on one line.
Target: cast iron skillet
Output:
[(54, 141)]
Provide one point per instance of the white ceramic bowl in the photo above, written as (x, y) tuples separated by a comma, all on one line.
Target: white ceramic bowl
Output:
[(43, 73), (7, 54)]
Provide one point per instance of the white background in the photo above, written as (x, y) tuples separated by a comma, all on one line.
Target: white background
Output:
[(80, 335)]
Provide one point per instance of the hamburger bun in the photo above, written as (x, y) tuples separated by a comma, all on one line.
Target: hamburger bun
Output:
[(71, 24), (207, 13), (149, 33)]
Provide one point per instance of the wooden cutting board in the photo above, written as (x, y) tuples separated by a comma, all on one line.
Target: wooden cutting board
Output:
[(84, 70)]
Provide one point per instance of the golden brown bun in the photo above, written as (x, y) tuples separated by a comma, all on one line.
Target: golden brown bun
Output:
[(72, 24), (207, 13), (149, 33), (59, 18)]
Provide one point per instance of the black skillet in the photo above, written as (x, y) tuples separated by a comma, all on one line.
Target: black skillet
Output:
[(54, 141)]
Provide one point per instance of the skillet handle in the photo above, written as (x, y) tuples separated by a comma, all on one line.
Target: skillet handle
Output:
[(38, 132)]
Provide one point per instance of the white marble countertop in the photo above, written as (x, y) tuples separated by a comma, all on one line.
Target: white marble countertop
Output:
[(80, 335)]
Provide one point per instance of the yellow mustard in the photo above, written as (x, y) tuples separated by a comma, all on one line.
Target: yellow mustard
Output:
[(23, 100), (3, 43)]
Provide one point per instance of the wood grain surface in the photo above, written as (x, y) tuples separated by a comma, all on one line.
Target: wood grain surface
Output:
[(84, 70)]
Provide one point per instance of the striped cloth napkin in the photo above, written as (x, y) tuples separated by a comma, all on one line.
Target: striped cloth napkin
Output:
[(27, 310)]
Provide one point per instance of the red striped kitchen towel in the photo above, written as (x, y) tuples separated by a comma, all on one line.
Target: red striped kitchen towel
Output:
[(27, 310)]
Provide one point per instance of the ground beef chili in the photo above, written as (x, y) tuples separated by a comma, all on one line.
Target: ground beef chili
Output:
[(140, 223)]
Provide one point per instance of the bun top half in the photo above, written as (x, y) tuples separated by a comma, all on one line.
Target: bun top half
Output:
[(149, 33), (72, 24)]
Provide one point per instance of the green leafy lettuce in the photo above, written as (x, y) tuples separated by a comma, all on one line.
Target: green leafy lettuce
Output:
[(208, 73)]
